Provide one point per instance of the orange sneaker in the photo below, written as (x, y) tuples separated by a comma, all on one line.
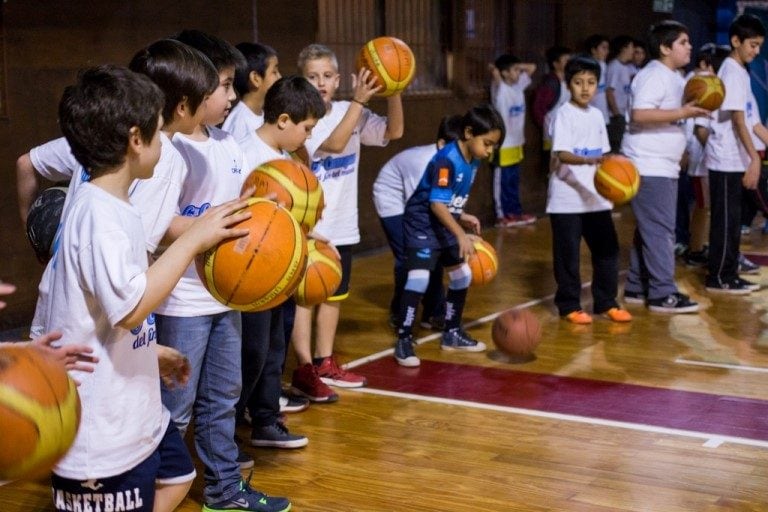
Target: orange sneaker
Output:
[(618, 315), (578, 317)]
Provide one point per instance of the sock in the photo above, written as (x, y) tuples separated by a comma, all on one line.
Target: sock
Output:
[(454, 307), (409, 302)]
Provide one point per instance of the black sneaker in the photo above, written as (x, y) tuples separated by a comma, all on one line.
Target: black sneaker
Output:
[(457, 339), (404, 354), (631, 297), (249, 500), (696, 258), (245, 460), (733, 287), (293, 403), (753, 287), (276, 435), (435, 323), (746, 266), (673, 303)]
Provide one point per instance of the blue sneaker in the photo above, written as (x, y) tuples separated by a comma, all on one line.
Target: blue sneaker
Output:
[(250, 500), (404, 354), (457, 339)]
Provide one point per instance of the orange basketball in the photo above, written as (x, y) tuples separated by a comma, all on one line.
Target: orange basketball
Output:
[(296, 188), (617, 179), (516, 332), (484, 263), (262, 269), (391, 61), (707, 91), (322, 277), (39, 412)]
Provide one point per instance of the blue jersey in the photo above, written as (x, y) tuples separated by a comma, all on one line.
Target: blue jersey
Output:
[(447, 179)]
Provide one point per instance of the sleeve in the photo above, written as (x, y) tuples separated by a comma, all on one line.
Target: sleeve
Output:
[(524, 81), (562, 134), (372, 129), (646, 93), (442, 178), (600, 125), (736, 88), (612, 76), (54, 160)]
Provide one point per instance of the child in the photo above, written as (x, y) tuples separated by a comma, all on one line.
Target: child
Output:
[(509, 79), (335, 152), (655, 142), (576, 209), (434, 223), (291, 111), (190, 319), (597, 47), (104, 296), (395, 183), (550, 94), (732, 159), (619, 75), (251, 84)]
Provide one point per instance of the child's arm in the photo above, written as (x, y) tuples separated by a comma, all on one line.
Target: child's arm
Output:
[(529, 68), (395, 121), (27, 185), (658, 115), (701, 133), (742, 133), (446, 219), (611, 99), (364, 85), (569, 158), (495, 78), (761, 131)]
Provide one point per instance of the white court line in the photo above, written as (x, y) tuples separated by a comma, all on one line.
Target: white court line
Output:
[(759, 369), (710, 440)]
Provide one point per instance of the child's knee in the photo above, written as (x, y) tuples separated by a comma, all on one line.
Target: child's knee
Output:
[(460, 277), (418, 280)]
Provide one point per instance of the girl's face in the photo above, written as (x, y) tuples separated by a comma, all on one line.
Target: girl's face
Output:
[(481, 146)]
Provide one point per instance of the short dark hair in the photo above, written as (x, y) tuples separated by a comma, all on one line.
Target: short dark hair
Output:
[(618, 43), (555, 52), (295, 96), (482, 119), (181, 72), (594, 41), (581, 64), (506, 61), (450, 128), (746, 26), (256, 59), (97, 113), (221, 53), (664, 33)]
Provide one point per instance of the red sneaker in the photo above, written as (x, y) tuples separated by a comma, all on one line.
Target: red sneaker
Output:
[(332, 374), (306, 382)]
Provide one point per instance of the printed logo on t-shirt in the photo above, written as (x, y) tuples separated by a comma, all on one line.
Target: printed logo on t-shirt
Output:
[(195, 211), (236, 168), (334, 167), (443, 175), (516, 110), (144, 337)]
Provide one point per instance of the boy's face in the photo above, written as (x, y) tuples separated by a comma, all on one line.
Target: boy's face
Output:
[(627, 53), (512, 74), (600, 52), (271, 74), (185, 121), (679, 54), (148, 153), (294, 135), (745, 51), (583, 86), (482, 146), (324, 76), (219, 103)]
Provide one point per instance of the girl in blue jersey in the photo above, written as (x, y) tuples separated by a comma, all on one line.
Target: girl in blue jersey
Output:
[(434, 222)]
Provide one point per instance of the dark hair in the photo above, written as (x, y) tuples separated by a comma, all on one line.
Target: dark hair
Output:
[(295, 96), (482, 119), (746, 26), (221, 53), (581, 64), (97, 113), (618, 43), (594, 41), (450, 128), (256, 59), (505, 61), (664, 33), (555, 52), (181, 72)]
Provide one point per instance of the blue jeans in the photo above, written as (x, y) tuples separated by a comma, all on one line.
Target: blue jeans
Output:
[(506, 190), (212, 345)]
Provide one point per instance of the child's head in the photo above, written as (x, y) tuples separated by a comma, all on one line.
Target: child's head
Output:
[(109, 115), (668, 41), (597, 46), (746, 35), (582, 74), (640, 55), (185, 76), (261, 69), (508, 68), (557, 56), (318, 64), (293, 105), (449, 129), (481, 130), (622, 48)]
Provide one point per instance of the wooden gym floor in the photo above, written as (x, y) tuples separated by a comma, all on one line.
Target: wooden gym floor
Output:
[(668, 413)]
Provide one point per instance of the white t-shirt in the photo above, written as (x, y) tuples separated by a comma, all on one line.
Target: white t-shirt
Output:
[(398, 178), (572, 187), (618, 77), (98, 276), (509, 102), (217, 170), (599, 100), (242, 120), (656, 149), (696, 167), (257, 151), (337, 172)]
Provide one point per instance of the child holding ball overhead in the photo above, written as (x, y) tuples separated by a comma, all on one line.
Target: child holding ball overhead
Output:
[(579, 140)]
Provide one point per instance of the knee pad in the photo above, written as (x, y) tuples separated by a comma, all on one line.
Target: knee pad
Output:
[(460, 278), (418, 280)]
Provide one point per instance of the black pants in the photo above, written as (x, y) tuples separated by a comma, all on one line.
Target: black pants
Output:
[(725, 191), (598, 232)]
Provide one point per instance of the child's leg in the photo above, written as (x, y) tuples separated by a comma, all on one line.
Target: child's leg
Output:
[(498, 191), (512, 188), (168, 497), (566, 240), (433, 301), (301, 338), (460, 276), (700, 214), (683, 215), (254, 355), (603, 243), (306, 381), (724, 232), (393, 229), (327, 322), (419, 262)]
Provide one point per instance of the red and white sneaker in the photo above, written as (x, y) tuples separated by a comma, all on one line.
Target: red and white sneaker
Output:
[(306, 382), (520, 220), (333, 375)]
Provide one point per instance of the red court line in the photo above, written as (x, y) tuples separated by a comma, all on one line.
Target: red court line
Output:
[(659, 407)]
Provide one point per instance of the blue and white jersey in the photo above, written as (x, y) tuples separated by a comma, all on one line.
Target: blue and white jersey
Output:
[(448, 180)]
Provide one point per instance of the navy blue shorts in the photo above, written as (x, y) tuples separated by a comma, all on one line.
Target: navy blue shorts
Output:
[(133, 490), (426, 259), (342, 292)]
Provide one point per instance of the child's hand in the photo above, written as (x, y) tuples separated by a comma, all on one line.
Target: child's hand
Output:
[(213, 226), (470, 222), (72, 357), (466, 247), (174, 367), (691, 110), (752, 176), (364, 86), (6, 289)]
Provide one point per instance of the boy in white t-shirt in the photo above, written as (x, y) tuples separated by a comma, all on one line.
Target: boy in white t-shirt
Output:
[(618, 77), (655, 141), (509, 79), (335, 153), (576, 210), (732, 159)]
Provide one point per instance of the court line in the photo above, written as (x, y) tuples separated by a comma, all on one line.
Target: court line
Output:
[(710, 440), (759, 369)]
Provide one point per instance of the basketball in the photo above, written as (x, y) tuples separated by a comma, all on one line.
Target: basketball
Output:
[(617, 179), (706, 91), (391, 61), (262, 269), (296, 188), (39, 412), (484, 263), (322, 277), (516, 332), (43, 221)]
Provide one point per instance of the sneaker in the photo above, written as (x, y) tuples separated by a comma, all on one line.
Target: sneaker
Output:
[(249, 500), (680, 249), (404, 354), (746, 266), (501, 222), (745, 230), (733, 287), (673, 303), (435, 323), (245, 460), (696, 258), (578, 317), (631, 297), (334, 375), (457, 339), (618, 315), (519, 220), (293, 403), (276, 435), (749, 285), (306, 382)]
